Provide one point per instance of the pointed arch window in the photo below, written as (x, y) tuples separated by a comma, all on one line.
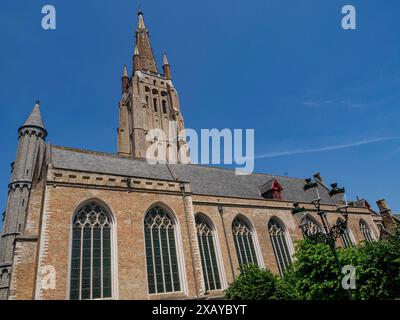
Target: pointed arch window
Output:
[(208, 253), (91, 268), (164, 106), (244, 242), (366, 231), (311, 226), (161, 252), (155, 105), (4, 277), (347, 242), (280, 244)]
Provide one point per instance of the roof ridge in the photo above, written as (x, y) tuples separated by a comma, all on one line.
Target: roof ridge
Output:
[(116, 156), (85, 151)]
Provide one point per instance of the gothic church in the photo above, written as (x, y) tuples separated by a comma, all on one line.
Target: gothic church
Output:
[(90, 225)]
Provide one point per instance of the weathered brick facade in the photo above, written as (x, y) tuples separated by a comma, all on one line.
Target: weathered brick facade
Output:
[(50, 244)]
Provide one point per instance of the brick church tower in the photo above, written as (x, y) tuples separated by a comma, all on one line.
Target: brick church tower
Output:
[(150, 121)]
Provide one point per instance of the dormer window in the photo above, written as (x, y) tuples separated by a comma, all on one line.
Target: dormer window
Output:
[(272, 190)]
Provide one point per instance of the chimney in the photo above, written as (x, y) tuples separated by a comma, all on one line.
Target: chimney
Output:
[(386, 214), (318, 177)]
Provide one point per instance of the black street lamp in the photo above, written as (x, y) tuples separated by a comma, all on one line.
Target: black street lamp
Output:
[(330, 234)]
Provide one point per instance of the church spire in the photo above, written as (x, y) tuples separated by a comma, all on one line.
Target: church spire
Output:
[(141, 24), (146, 57)]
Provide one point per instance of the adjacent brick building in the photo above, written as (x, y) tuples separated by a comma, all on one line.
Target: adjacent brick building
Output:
[(90, 225)]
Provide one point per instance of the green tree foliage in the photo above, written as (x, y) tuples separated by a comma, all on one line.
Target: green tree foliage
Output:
[(378, 270), (252, 284), (314, 274)]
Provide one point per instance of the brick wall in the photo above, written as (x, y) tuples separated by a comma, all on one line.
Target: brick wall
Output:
[(129, 201)]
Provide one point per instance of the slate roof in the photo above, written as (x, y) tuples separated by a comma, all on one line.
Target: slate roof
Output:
[(267, 186), (79, 160), (204, 180)]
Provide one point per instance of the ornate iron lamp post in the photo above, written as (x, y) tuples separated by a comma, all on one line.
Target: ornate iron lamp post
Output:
[(330, 234)]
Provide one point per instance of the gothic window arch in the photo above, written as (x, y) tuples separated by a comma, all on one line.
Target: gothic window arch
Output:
[(155, 105), (346, 239), (311, 225), (281, 244), (366, 231), (91, 254), (164, 106), (208, 253), (161, 251), (170, 156), (243, 236), (4, 278)]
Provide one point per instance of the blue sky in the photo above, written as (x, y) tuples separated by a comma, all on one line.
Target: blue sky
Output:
[(319, 98)]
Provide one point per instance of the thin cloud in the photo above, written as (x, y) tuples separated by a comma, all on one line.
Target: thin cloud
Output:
[(352, 104), (311, 103), (325, 148), (393, 153), (343, 103)]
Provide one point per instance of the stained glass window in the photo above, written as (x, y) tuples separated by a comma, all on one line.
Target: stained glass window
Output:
[(161, 252), (208, 253), (346, 238), (244, 242), (311, 226), (91, 253), (366, 231), (280, 244)]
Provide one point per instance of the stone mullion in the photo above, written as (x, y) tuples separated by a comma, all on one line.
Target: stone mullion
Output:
[(237, 247), (188, 206), (161, 257), (170, 261), (273, 242)]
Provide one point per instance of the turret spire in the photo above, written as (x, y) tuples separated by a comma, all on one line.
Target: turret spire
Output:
[(166, 67), (165, 59), (136, 59), (124, 71), (125, 79), (35, 118)]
